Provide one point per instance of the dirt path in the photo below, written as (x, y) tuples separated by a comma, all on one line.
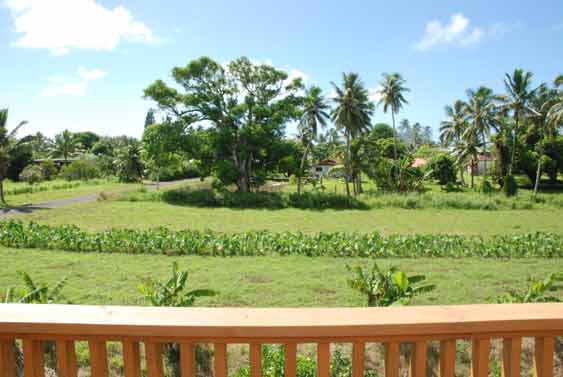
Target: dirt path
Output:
[(5, 212)]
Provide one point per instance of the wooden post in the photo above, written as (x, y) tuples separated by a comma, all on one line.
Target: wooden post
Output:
[(220, 360), (447, 358), (154, 359), (255, 360), (187, 360), (418, 359), (98, 358), (290, 360), (392, 359), (33, 359), (7, 358), (323, 360), (511, 349), (480, 350), (66, 359), (131, 359), (543, 358), (358, 357)]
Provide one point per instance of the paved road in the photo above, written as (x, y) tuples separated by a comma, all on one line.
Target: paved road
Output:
[(5, 212)]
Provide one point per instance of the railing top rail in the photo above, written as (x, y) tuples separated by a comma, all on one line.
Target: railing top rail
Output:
[(279, 323)]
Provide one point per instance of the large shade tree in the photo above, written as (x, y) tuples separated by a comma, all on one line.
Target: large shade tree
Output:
[(245, 105), (392, 93), (352, 115), (8, 143), (314, 116)]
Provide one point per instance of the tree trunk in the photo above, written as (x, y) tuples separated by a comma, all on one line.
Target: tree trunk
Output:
[(2, 198), (472, 162), (514, 134), (347, 164), (538, 174), (394, 136), (462, 174), (301, 169)]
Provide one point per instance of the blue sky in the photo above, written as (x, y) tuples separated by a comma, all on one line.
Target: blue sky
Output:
[(82, 64)]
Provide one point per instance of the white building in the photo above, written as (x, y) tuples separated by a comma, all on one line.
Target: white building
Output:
[(321, 169)]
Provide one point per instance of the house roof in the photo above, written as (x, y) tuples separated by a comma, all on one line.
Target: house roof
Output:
[(418, 162), (327, 163)]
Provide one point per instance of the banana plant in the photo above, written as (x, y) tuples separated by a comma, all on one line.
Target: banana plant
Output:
[(386, 288), (35, 293), (539, 291)]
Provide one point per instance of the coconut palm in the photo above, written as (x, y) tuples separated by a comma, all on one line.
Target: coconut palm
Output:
[(351, 115), (128, 162), (466, 152), (452, 129), (541, 104), (555, 114), (480, 110), (65, 145), (8, 143), (314, 115), (519, 93), (393, 97)]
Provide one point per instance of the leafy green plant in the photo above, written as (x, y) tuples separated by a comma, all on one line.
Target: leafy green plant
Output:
[(173, 292), (80, 170), (539, 291), (510, 186), (19, 234), (32, 174), (442, 168), (385, 288), (36, 293)]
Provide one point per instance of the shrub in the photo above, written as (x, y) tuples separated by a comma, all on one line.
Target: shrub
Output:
[(49, 169), (18, 234), (510, 186), (32, 174), (442, 168), (486, 187), (80, 170)]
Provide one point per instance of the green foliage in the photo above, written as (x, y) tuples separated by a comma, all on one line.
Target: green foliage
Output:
[(65, 146), (128, 163), (36, 293), (442, 168), (270, 200), (17, 234), (396, 175), (539, 291), (486, 187), (86, 139), (386, 288), (80, 170), (173, 291), (32, 174), (510, 186), (246, 126), (49, 170)]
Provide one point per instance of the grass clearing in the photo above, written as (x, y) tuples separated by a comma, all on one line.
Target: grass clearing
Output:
[(144, 215), (112, 279)]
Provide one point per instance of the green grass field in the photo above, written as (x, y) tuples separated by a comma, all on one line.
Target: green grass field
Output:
[(53, 193), (263, 281), (107, 214)]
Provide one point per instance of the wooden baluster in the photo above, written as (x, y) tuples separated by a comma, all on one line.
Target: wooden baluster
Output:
[(418, 359), (220, 360), (66, 359), (392, 359), (323, 360), (543, 358), (447, 358), (255, 360), (480, 350), (153, 353), (511, 349), (7, 358), (187, 359), (98, 358), (358, 356), (131, 359), (290, 366), (33, 358)]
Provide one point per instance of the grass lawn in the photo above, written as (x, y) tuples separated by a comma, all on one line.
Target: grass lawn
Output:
[(107, 214), (262, 281), (83, 188)]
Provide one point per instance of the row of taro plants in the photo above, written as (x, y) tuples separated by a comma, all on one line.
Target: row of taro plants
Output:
[(18, 234)]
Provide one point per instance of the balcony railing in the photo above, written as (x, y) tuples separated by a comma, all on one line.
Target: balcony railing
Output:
[(64, 324)]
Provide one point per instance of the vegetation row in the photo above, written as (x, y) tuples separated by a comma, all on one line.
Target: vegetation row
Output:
[(18, 234)]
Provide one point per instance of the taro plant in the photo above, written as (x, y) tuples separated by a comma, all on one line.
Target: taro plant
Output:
[(174, 292), (539, 291), (386, 288)]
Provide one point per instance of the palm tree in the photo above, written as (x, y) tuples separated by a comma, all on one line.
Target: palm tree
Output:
[(8, 143), (351, 114), (65, 145), (541, 104), (128, 162), (393, 97), (452, 130), (555, 114), (314, 115), (481, 116), (518, 85), (467, 151)]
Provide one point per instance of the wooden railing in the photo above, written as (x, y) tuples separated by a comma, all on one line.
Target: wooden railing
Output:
[(63, 324)]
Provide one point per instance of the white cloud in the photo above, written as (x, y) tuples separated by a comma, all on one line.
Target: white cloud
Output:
[(457, 32), (62, 25), (73, 86), (375, 94)]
